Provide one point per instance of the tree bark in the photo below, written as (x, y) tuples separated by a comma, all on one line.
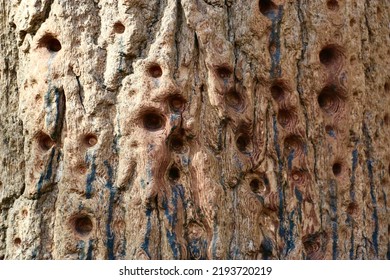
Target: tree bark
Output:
[(181, 129)]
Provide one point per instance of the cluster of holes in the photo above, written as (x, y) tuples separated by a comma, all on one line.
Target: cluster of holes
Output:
[(174, 173), (267, 7), (332, 5), (155, 70), (90, 140), (153, 121), (82, 225), (294, 143), (44, 141), (234, 99), (119, 28), (331, 99), (287, 116), (51, 43)]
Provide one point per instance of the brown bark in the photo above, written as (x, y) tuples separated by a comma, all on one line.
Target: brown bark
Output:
[(181, 129)]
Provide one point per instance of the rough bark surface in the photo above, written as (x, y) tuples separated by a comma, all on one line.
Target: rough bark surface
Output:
[(184, 129)]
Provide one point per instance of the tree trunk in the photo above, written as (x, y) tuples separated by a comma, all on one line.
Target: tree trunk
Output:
[(182, 129)]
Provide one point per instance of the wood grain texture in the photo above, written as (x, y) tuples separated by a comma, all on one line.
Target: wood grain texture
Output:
[(182, 129)]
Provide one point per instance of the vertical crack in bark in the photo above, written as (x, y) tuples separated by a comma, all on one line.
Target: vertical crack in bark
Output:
[(159, 225), (370, 171), (178, 32), (300, 61), (80, 93), (366, 20), (37, 20), (151, 30)]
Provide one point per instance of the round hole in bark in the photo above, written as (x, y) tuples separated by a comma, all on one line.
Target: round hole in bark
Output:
[(267, 7), (331, 100), (155, 70), (314, 245), (223, 72), (90, 140), (287, 118), (330, 55), (294, 146), (45, 142), (176, 103), (2, 257), (277, 92), (233, 99), (153, 121), (177, 143), (82, 225), (119, 27), (332, 5), (255, 185), (17, 241), (243, 142), (337, 168), (174, 173), (50, 42)]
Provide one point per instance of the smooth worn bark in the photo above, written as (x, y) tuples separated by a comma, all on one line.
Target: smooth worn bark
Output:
[(183, 129)]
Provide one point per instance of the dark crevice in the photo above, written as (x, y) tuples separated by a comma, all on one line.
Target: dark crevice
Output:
[(300, 61), (159, 226), (80, 92), (366, 20), (152, 28), (178, 33), (37, 20)]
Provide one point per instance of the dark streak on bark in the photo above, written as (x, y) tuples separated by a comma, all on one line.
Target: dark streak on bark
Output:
[(80, 93), (300, 61)]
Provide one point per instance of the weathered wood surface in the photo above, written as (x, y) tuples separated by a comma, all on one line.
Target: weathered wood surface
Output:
[(183, 129)]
